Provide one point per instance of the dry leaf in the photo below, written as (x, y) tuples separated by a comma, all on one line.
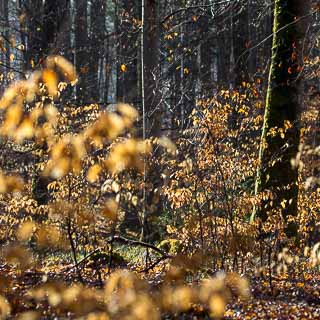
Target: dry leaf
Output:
[(110, 210)]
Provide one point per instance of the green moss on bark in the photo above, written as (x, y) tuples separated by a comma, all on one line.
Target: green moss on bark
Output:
[(276, 174)]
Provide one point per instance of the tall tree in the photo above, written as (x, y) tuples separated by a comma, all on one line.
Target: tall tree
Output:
[(281, 133), (81, 49), (151, 103), (97, 36), (127, 28), (151, 69), (4, 43), (43, 21)]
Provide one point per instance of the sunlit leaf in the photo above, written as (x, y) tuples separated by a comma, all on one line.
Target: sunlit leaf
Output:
[(93, 173), (26, 230), (110, 210), (51, 81)]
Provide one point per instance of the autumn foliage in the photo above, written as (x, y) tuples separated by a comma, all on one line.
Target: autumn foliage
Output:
[(66, 255)]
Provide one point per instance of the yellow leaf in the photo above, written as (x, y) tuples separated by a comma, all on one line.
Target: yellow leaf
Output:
[(16, 255), (60, 168), (134, 201), (9, 96), (20, 47), (127, 155), (115, 187), (25, 231), (10, 183), (84, 70), (168, 144), (93, 173), (49, 236), (217, 306), (64, 66), (51, 81), (283, 203), (13, 117), (110, 210), (51, 113), (5, 308), (123, 68), (129, 113), (25, 130), (29, 315)]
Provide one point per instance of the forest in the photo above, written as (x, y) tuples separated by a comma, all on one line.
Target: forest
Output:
[(159, 159)]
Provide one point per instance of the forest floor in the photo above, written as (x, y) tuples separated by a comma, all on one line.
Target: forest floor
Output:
[(288, 299)]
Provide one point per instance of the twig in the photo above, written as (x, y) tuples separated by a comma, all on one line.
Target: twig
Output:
[(121, 239), (83, 259), (154, 264), (141, 244)]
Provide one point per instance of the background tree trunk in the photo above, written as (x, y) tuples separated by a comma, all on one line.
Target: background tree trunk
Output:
[(44, 21), (81, 50), (97, 36), (4, 46), (127, 51), (151, 69)]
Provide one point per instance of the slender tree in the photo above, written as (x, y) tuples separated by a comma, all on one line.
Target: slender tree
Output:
[(97, 36), (127, 50), (4, 44), (43, 22), (281, 133), (81, 49), (151, 69)]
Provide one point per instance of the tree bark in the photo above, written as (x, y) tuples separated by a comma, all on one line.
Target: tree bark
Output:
[(81, 50), (127, 51), (4, 46), (44, 20), (151, 70), (281, 129), (97, 36)]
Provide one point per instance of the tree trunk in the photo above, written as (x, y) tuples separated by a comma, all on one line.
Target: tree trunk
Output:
[(281, 133), (44, 20), (238, 70), (81, 50), (151, 70), (153, 113), (127, 51), (97, 35), (4, 46)]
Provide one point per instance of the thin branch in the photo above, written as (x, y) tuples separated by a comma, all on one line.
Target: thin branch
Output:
[(190, 8), (132, 242), (271, 35), (154, 264)]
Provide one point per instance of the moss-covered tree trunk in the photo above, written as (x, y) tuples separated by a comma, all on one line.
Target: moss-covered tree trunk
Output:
[(276, 178)]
